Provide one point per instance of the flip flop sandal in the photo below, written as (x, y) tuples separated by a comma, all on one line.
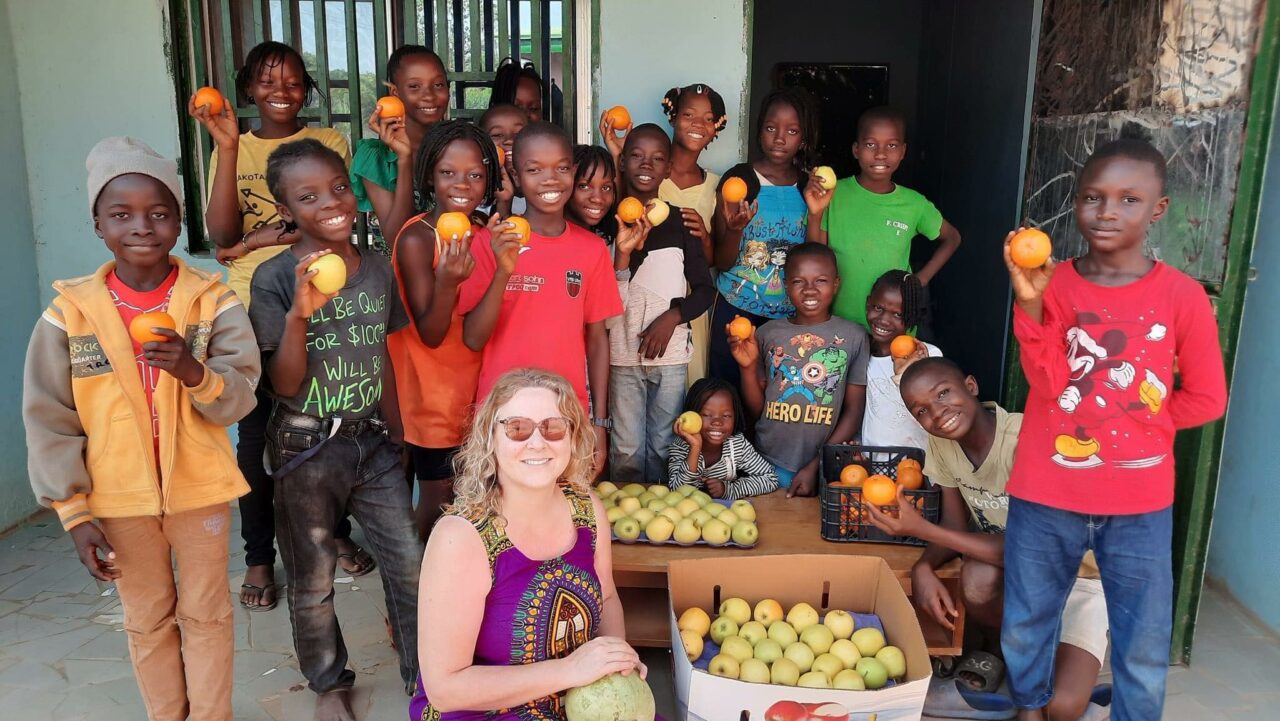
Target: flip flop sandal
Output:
[(986, 666), (947, 698), (262, 591), (943, 666), (360, 558)]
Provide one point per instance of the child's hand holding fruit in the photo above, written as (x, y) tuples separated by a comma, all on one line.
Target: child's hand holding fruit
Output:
[(744, 349), (816, 196), (1028, 283), (221, 123), (456, 262), (507, 241), (738, 215), (907, 522), (631, 237), (307, 298), (172, 356), (392, 133)]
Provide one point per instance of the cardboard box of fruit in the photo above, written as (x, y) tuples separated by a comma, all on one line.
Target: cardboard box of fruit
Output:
[(685, 517), (829, 637)]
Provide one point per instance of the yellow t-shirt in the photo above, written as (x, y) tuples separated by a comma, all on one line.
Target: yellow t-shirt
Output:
[(982, 488), (257, 207), (700, 197)]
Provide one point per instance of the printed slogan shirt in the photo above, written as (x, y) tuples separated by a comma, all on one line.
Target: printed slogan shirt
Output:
[(346, 337), (806, 368)]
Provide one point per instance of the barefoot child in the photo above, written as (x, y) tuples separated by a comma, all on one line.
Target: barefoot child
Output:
[(665, 283), (970, 451), (752, 237), (1100, 338), (244, 226), (417, 76), (894, 307), (142, 489), (436, 372), (328, 446), (870, 221), (804, 378), (561, 273), (718, 458)]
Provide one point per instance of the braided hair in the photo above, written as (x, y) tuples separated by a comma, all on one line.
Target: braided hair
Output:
[(438, 137), (671, 104), (810, 124), (262, 58), (507, 80), (908, 286)]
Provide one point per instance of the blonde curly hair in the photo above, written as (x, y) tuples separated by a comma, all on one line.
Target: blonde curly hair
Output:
[(476, 491)]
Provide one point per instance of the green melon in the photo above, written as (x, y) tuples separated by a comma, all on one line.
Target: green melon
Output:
[(613, 698)]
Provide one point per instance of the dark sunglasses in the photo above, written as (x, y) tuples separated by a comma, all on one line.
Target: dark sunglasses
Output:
[(521, 429)]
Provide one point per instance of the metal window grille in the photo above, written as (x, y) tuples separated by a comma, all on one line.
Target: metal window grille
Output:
[(345, 45)]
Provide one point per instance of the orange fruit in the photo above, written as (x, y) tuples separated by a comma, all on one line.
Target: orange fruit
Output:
[(734, 190), (853, 475), (1030, 248), (449, 225), (880, 490), (618, 116), (902, 346), (502, 154), (212, 98), (740, 328), (521, 227), (630, 210), (140, 327), (910, 476), (392, 107)]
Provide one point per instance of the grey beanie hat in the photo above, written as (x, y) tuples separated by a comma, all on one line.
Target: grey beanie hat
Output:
[(113, 157)]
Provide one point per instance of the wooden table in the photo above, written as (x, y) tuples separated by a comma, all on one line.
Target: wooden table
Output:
[(787, 526)]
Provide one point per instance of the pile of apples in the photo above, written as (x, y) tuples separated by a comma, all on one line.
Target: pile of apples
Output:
[(686, 515), (759, 646)]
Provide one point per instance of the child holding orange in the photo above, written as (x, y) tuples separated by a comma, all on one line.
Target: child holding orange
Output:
[(804, 377), (247, 231), (717, 457), (753, 235), (334, 430), (665, 284), (555, 271), (417, 76), (970, 451), (895, 306), (1100, 338), (870, 221), (137, 489), (436, 373)]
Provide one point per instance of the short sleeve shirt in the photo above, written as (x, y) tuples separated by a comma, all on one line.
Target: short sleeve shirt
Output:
[(871, 233), (376, 163), (560, 285), (346, 337), (806, 368), (885, 421)]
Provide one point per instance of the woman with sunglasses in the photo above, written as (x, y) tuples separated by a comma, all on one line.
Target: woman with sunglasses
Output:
[(517, 603)]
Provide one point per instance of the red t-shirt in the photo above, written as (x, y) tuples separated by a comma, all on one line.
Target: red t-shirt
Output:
[(559, 286), (130, 304), (1097, 434)]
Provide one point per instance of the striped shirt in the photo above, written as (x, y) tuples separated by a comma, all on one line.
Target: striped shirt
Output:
[(743, 471)]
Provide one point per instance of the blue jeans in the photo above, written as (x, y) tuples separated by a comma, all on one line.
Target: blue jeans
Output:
[(356, 473), (1043, 548), (643, 403)]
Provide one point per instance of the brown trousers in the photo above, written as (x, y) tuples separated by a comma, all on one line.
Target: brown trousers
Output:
[(181, 644)]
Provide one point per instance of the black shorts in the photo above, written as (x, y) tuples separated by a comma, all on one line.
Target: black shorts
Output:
[(432, 464)]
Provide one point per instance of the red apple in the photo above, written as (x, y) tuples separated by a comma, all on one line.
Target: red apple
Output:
[(787, 711)]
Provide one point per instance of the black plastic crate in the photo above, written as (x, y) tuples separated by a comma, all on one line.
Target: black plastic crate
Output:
[(843, 518)]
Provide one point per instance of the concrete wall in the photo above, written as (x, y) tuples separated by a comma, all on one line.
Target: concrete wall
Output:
[(1244, 548), (21, 290), (648, 47)]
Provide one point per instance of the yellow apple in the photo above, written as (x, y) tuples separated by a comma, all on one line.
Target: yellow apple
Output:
[(693, 646), (659, 530), (818, 638), (723, 627), (801, 616), (737, 609), (717, 533), (626, 529), (784, 672), (814, 679), (630, 504), (656, 505), (753, 670), (800, 654), (828, 664), (694, 620), (783, 633), (744, 509), (687, 506), (633, 489), (701, 497), (724, 514), (605, 489), (331, 273), (745, 533), (768, 611), (846, 651), (873, 673), (659, 490), (849, 680), (700, 516), (714, 509), (687, 532), (767, 650), (753, 631), (840, 622), (646, 498), (613, 514), (826, 176), (690, 422), (894, 661), (722, 665), (643, 516), (737, 647), (869, 640), (671, 514), (658, 212)]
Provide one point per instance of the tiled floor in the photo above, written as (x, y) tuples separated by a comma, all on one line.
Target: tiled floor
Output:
[(63, 654)]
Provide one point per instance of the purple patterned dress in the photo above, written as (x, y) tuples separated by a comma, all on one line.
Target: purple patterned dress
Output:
[(535, 611)]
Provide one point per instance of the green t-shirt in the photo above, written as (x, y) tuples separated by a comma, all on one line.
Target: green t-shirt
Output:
[(376, 163), (871, 233)]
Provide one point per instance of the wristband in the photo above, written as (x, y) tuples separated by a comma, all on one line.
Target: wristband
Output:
[(604, 423)]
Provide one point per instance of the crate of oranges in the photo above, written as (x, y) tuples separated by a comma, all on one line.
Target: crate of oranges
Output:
[(855, 475)]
